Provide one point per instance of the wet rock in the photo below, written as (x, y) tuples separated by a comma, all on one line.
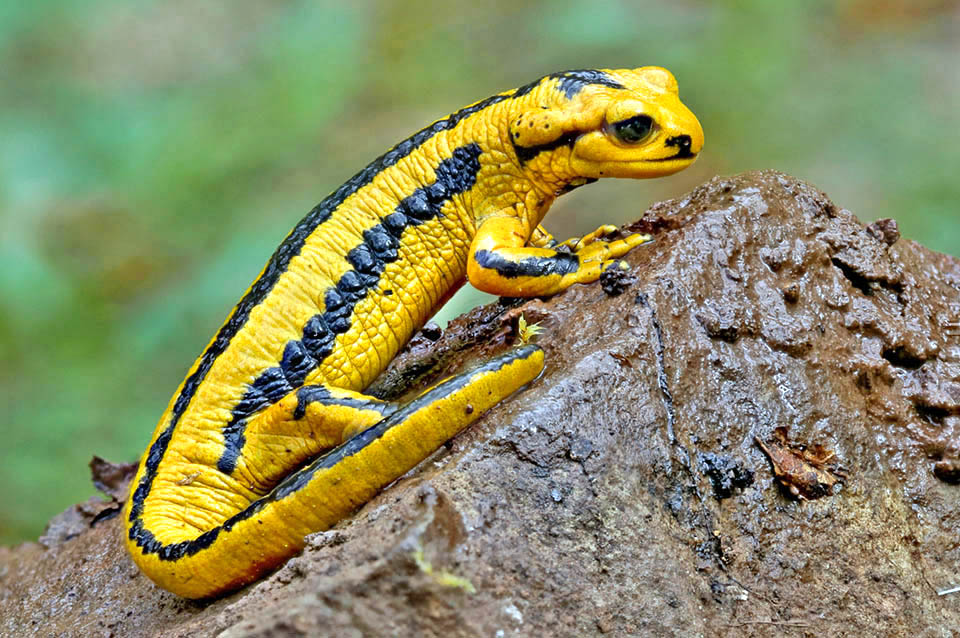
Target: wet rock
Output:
[(588, 504)]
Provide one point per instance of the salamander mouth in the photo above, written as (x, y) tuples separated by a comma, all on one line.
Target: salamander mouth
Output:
[(684, 154)]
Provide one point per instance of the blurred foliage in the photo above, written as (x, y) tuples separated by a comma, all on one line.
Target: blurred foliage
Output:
[(152, 155)]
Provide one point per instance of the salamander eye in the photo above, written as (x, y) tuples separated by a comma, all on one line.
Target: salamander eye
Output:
[(634, 129)]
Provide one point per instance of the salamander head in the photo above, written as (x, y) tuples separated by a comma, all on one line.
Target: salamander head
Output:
[(624, 123)]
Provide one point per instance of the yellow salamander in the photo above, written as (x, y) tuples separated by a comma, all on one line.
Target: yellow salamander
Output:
[(270, 438)]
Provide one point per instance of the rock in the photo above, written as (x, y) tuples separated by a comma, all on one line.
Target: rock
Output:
[(624, 492)]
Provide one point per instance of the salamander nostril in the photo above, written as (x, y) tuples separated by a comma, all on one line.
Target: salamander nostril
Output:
[(682, 142)]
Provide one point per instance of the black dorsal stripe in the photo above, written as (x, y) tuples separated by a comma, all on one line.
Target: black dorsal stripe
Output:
[(454, 175), (572, 82)]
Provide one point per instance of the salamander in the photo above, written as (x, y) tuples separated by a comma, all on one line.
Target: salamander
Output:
[(270, 436)]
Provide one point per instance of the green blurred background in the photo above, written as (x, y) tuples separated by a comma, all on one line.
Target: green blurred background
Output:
[(153, 154)]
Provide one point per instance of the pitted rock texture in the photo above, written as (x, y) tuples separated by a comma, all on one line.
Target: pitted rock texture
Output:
[(623, 493)]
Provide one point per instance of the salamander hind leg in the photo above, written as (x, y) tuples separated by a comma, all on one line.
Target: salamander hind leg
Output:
[(343, 479), (306, 423)]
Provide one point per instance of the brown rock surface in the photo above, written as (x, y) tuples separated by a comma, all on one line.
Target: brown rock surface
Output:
[(626, 492)]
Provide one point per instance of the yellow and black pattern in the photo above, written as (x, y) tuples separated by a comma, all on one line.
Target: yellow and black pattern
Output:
[(269, 438)]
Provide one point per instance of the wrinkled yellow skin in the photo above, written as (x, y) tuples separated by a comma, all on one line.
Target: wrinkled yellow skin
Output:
[(199, 529)]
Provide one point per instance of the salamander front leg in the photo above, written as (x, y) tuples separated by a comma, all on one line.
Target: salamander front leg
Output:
[(501, 264)]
